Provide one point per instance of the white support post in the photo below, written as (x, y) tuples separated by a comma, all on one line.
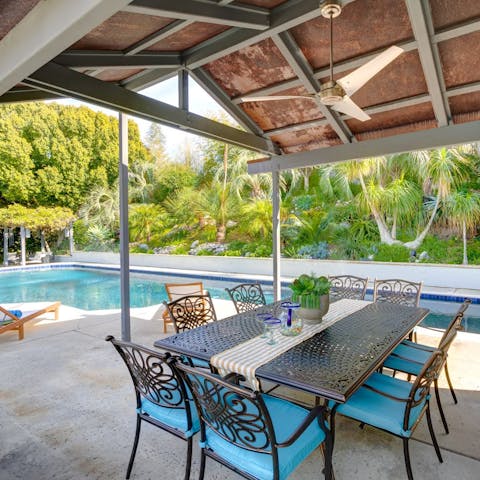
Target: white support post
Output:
[(124, 234), (277, 289), (5, 247), (70, 239), (23, 246)]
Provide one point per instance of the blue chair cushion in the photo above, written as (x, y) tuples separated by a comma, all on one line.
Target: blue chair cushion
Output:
[(406, 350), (372, 408), (286, 418), (196, 362), (173, 417)]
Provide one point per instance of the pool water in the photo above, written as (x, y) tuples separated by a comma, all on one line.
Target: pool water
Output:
[(95, 289)]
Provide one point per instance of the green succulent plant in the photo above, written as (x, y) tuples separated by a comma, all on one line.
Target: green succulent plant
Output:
[(307, 290)]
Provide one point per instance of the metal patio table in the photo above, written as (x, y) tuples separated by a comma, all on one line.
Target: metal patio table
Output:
[(332, 364)]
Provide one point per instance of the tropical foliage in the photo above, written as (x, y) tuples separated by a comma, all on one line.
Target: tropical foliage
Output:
[(421, 206)]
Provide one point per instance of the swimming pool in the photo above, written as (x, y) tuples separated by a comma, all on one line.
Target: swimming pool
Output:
[(98, 289)]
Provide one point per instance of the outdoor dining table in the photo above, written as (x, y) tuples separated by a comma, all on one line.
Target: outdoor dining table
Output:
[(331, 364)]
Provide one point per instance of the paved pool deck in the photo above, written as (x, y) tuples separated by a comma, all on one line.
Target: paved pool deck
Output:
[(67, 411)]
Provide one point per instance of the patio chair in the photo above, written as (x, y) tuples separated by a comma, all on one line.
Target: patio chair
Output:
[(348, 286), (191, 311), (160, 395), (393, 405), (11, 318), (247, 296), (177, 290), (409, 357), (401, 292), (247, 431)]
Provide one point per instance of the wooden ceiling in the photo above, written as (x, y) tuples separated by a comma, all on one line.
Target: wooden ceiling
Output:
[(260, 47)]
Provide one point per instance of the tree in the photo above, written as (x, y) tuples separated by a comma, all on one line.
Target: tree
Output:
[(155, 141), (143, 219), (462, 210)]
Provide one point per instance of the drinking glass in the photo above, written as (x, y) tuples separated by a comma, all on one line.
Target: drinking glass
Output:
[(262, 317), (271, 325)]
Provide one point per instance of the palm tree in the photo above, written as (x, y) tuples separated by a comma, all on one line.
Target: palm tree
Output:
[(144, 217), (462, 210), (102, 207)]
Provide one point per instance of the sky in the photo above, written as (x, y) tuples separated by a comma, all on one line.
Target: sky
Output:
[(200, 102)]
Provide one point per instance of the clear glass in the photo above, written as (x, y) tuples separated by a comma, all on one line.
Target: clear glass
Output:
[(292, 323), (271, 325), (262, 317)]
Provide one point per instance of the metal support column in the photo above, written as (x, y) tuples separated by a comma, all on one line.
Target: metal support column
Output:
[(277, 290), (5, 247), (124, 237), (183, 90), (23, 253)]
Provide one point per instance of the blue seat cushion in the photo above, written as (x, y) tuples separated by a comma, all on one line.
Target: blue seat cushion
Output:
[(173, 417), (406, 358), (374, 409), (196, 362), (286, 418)]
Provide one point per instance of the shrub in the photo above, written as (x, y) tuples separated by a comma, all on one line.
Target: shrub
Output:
[(317, 250), (392, 253)]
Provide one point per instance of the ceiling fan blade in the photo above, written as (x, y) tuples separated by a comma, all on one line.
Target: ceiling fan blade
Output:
[(351, 108), (274, 97), (359, 77)]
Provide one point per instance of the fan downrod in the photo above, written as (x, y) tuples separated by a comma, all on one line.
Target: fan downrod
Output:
[(330, 9)]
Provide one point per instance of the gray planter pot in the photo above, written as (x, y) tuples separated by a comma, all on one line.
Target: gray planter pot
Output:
[(315, 315)]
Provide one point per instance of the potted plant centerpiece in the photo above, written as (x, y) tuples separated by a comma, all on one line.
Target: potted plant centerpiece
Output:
[(311, 293)]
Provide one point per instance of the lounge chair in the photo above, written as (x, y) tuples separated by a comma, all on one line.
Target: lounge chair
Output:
[(12, 318)]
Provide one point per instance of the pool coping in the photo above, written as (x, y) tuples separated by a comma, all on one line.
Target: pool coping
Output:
[(432, 293)]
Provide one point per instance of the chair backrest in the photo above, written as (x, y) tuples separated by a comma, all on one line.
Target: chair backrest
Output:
[(421, 387), (348, 286), (401, 292), (177, 290), (191, 311), (234, 413), (453, 327), (247, 296), (152, 376)]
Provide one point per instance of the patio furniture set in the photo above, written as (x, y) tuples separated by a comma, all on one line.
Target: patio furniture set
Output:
[(208, 378)]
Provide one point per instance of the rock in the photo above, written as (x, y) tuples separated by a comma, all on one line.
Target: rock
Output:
[(195, 244), (423, 256), (143, 246)]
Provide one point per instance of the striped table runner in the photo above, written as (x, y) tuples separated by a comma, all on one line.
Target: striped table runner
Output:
[(248, 356)]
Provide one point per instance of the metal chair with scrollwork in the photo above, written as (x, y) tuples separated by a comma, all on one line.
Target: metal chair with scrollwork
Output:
[(347, 286), (409, 357), (246, 430), (393, 405), (191, 311), (160, 393), (401, 292), (247, 296)]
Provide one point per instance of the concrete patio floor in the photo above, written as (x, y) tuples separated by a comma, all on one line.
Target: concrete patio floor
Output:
[(67, 412)]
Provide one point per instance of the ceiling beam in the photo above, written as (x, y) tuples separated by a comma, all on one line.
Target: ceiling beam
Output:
[(205, 80), (471, 26), (63, 81), (421, 140), (297, 61), (418, 11), (287, 15), (147, 78), (26, 95), (200, 11), (118, 60), (48, 29)]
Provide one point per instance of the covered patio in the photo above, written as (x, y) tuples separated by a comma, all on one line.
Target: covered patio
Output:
[(61, 419)]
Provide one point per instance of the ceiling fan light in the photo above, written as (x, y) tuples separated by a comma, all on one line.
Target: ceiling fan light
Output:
[(330, 9), (331, 93)]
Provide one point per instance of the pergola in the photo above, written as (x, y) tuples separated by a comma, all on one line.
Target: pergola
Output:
[(105, 51)]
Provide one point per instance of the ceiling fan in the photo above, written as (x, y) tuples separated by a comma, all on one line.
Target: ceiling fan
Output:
[(336, 94)]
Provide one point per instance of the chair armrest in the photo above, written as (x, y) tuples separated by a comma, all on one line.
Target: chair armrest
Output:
[(317, 412)]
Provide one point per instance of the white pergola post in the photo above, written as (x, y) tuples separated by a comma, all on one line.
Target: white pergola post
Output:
[(124, 236), (277, 289), (5, 247), (23, 248), (71, 243)]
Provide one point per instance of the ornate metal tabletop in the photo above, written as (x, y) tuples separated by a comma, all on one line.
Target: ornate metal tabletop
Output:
[(331, 364)]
